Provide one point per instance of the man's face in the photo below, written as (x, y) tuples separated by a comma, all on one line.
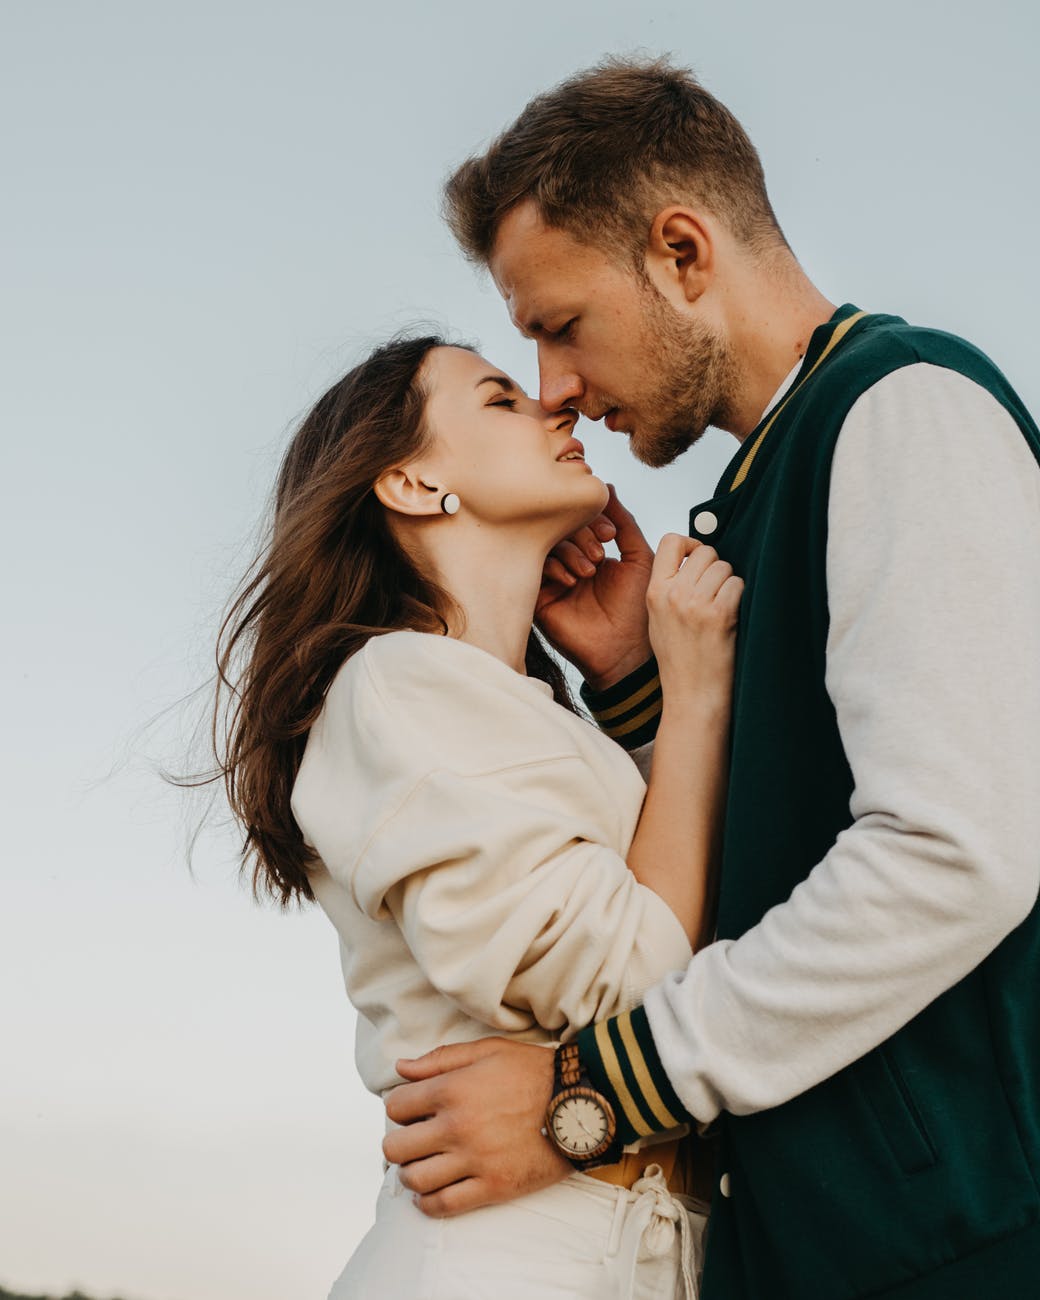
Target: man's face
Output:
[(608, 342)]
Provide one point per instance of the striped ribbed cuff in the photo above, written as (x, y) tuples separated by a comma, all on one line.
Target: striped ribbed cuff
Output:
[(630, 710), (621, 1061)]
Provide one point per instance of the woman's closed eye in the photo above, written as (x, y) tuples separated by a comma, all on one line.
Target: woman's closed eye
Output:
[(509, 402)]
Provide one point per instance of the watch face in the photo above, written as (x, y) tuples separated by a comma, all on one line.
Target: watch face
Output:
[(580, 1125)]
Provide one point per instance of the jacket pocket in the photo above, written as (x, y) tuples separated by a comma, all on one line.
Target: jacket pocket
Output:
[(892, 1103)]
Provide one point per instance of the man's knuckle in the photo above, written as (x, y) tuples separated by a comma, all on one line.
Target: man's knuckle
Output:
[(435, 1205), (420, 1182), (432, 1096)]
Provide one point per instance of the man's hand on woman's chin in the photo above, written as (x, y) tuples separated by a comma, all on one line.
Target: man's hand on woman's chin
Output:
[(472, 1116), (593, 608)]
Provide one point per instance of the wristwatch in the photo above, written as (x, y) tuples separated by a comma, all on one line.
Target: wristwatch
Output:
[(579, 1121)]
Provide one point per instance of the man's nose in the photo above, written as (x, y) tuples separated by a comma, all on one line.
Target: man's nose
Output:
[(558, 387)]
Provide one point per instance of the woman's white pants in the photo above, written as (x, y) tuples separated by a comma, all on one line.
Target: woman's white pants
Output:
[(581, 1238)]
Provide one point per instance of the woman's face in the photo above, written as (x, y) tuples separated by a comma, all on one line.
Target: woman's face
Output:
[(507, 459)]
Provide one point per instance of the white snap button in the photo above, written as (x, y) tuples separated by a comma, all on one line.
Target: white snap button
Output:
[(705, 522), (724, 1186)]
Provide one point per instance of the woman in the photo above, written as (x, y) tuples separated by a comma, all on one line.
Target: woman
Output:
[(401, 747)]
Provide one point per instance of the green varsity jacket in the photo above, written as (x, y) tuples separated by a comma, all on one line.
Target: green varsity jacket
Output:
[(915, 1173)]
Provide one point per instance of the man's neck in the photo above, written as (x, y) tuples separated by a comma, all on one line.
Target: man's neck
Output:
[(769, 336)]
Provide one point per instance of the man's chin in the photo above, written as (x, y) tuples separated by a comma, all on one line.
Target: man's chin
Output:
[(661, 447)]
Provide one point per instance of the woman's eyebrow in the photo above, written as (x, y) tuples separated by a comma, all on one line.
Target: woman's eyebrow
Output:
[(502, 380)]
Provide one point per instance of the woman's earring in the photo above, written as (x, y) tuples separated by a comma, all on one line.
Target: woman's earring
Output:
[(450, 503)]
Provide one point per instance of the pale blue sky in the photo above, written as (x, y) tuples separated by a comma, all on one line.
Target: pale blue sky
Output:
[(209, 210)]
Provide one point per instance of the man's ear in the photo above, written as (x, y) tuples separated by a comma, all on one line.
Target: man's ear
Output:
[(405, 491), (680, 254)]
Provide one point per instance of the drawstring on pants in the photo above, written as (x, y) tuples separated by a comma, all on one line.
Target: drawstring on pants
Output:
[(649, 1223)]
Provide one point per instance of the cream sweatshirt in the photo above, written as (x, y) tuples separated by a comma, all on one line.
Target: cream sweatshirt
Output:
[(472, 836)]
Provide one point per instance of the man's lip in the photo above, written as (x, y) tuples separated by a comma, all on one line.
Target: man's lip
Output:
[(610, 419)]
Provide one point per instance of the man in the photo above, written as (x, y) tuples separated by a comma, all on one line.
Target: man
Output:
[(864, 1031)]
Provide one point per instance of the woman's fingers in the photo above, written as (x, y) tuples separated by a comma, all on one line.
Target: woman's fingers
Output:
[(672, 550), (687, 575), (710, 581), (730, 594)]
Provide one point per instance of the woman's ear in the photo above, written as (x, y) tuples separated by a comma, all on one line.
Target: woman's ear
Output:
[(405, 491)]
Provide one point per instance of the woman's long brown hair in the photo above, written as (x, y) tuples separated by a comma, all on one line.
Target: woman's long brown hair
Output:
[(331, 576)]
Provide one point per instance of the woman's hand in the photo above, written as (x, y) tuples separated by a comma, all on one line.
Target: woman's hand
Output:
[(693, 599)]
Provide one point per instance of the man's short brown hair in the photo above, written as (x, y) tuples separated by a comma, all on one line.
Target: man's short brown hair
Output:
[(604, 151)]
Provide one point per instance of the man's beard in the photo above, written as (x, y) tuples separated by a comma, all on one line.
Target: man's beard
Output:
[(695, 379)]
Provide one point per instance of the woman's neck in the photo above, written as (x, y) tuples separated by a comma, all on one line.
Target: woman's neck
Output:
[(494, 578)]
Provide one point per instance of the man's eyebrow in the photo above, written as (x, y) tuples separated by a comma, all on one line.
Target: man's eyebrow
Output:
[(501, 380), (528, 328)]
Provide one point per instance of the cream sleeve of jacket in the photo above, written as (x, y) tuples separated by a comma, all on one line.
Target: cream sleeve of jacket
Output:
[(933, 577), (472, 836)]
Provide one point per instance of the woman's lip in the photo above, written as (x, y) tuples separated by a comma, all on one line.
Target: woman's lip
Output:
[(572, 447)]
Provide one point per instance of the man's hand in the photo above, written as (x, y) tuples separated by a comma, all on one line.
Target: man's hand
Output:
[(473, 1117), (593, 609)]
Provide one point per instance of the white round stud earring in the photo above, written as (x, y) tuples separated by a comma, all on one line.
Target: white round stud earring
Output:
[(450, 503)]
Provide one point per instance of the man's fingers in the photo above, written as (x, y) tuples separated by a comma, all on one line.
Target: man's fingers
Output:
[(603, 528), (554, 572), (630, 541), (588, 543), (416, 1141), (475, 1118), (458, 1198), (450, 1056), (574, 559), (409, 1102), (433, 1174)]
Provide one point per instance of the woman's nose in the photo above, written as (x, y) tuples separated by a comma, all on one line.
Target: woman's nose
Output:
[(562, 421)]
